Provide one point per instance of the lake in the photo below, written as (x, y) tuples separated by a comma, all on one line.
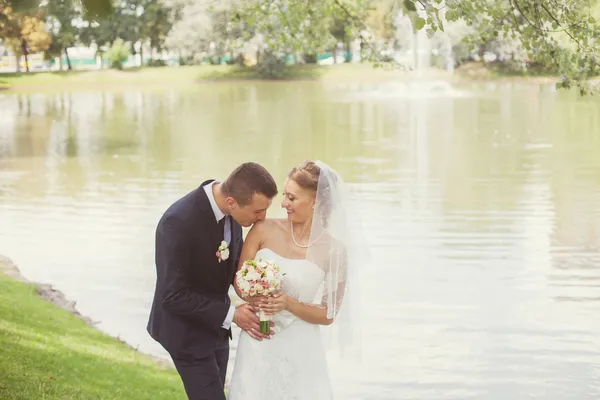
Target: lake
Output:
[(480, 202)]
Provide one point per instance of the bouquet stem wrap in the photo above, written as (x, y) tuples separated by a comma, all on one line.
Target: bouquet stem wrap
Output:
[(265, 323)]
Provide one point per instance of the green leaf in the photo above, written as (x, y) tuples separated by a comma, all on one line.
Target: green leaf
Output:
[(450, 16), (97, 8), (24, 5), (430, 33), (419, 23), (410, 5)]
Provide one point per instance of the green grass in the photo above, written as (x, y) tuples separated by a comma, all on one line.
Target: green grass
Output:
[(185, 75), (147, 76), (48, 353), (499, 70), (291, 72)]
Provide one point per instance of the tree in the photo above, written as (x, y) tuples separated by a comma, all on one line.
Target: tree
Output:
[(157, 20), (208, 30), (563, 34), (23, 32), (560, 34), (117, 54), (191, 33), (124, 22), (61, 14)]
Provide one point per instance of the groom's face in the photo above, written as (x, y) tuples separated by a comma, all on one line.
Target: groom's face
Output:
[(254, 211)]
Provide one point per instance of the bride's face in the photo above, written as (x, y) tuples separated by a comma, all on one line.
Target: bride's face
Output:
[(298, 202)]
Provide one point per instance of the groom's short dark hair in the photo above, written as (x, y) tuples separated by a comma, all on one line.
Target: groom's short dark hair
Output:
[(247, 179)]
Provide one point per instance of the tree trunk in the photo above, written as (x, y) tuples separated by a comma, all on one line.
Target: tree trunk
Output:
[(68, 60), (141, 54), (347, 50), (60, 62), (24, 47)]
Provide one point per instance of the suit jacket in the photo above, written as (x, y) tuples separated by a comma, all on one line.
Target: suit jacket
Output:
[(191, 297)]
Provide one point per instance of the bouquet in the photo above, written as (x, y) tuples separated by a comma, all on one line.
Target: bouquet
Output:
[(259, 277)]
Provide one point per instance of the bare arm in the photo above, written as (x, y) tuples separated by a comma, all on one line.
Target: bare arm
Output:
[(314, 313), (311, 313)]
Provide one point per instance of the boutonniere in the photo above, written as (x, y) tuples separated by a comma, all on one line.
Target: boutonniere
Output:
[(223, 251)]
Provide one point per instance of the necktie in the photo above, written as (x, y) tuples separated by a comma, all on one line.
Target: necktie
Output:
[(225, 228)]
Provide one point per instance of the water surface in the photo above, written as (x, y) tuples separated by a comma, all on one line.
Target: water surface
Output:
[(480, 202)]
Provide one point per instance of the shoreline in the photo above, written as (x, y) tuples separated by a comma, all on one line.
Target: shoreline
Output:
[(153, 77), (57, 298)]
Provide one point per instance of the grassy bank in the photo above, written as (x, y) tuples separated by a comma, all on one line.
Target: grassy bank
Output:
[(146, 76), (499, 70), (49, 353), (188, 74)]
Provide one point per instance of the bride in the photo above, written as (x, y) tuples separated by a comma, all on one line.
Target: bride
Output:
[(312, 248)]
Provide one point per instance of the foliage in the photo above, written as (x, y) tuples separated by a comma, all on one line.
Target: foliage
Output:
[(61, 14), (271, 66), (157, 21), (118, 53), (205, 30), (563, 34), (23, 31)]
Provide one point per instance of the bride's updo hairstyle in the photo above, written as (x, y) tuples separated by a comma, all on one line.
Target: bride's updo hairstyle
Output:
[(306, 175)]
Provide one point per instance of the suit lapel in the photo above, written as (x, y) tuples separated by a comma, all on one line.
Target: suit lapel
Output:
[(211, 228), (209, 222)]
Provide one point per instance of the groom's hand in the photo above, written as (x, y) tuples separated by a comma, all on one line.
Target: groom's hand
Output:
[(245, 317)]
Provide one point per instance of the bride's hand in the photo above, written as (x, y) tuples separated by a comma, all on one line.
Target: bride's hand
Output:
[(274, 304), (256, 300)]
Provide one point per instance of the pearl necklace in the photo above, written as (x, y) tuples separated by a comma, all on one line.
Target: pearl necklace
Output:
[(301, 245)]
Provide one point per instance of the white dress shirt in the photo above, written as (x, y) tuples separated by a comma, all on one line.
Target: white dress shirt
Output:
[(219, 215)]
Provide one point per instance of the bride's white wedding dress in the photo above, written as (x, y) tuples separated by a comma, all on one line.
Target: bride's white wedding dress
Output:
[(292, 364)]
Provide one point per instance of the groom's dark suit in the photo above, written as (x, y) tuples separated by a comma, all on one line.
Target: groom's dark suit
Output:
[(191, 299)]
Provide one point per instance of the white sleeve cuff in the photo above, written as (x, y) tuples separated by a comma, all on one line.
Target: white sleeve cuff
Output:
[(229, 318)]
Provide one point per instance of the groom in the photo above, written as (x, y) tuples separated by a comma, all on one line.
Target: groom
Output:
[(191, 313)]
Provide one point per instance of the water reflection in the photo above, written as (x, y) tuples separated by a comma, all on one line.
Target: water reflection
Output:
[(480, 201)]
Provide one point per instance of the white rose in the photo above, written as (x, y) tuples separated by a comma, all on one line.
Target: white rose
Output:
[(223, 244), (225, 254), (270, 276), (244, 285), (259, 288), (252, 275)]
